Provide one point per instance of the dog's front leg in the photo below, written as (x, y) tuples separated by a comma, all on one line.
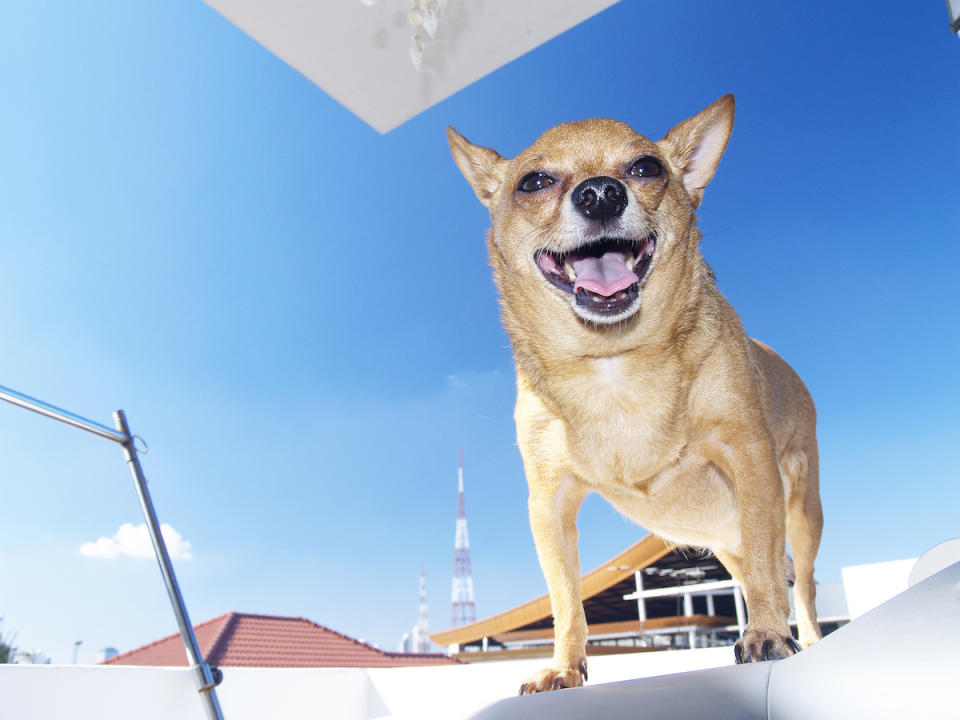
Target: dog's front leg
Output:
[(759, 564), (553, 504)]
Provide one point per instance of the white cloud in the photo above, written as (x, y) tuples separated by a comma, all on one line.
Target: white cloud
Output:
[(470, 379), (457, 380), (134, 541)]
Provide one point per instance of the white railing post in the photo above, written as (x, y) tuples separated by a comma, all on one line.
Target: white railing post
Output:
[(641, 606)]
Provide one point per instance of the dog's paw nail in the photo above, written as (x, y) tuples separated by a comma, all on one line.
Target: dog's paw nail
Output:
[(583, 670), (555, 679), (757, 646), (772, 650)]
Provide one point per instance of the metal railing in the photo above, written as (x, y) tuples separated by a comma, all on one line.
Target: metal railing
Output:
[(206, 678), (709, 589)]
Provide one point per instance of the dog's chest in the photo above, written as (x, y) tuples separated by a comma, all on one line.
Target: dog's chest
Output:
[(622, 420), (608, 372)]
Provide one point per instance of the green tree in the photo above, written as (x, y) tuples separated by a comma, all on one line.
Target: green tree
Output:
[(7, 649)]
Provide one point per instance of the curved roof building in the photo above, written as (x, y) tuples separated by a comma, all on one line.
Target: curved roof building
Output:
[(615, 623)]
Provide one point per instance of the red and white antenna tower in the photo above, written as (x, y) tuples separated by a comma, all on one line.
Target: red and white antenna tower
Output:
[(464, 610)]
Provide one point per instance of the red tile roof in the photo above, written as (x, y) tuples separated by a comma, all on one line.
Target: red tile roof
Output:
[(242, 639)]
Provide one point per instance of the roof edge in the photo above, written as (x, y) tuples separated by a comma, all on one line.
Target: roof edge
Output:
[(636, 557), (219, 645), (118, 659)]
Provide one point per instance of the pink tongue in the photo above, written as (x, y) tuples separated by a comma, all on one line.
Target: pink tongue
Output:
[(605, 275)]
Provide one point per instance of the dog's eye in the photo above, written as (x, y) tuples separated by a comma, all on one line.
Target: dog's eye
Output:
[(534, 181), (646, 167)]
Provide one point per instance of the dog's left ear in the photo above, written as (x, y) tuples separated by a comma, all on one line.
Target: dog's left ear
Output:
[(696, 145)]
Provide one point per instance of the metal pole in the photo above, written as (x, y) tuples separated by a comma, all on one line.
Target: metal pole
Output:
[(65, 416), (203, 675), (206, 678)]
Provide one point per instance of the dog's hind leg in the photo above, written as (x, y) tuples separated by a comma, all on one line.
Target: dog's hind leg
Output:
[(800, 472)]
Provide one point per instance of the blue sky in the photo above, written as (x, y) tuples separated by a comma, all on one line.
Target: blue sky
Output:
[(297, 313)]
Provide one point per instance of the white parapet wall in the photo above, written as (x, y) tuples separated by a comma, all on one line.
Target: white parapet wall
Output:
[(454, 692), (79, 692), (54, 692), (868, 586)]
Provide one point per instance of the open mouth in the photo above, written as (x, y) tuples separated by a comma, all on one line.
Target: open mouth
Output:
[(604, 276)]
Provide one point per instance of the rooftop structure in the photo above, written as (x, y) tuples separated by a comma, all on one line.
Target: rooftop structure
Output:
[(242, 639), (651, 596)]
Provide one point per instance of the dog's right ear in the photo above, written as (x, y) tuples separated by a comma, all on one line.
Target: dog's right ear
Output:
[(482, 167)]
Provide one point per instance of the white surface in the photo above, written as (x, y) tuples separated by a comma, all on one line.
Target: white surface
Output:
[(867, 586), (831, 603), (53, 692), (359, 54), (897, 661), (452, 692), (935, 559), (254, 693), (78, 692)]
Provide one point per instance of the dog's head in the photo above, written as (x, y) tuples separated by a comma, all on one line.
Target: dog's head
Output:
[(592, 213)]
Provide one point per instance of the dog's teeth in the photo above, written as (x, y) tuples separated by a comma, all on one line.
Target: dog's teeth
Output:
[(630, 262), (568, 268)]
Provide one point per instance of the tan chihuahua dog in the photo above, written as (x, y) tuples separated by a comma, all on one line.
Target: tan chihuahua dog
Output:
[(634, 376)]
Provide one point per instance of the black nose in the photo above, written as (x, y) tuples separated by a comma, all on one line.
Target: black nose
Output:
[(600, 198)]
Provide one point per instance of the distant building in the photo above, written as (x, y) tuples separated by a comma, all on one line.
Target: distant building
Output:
[(652, 596), (105, 654), (415, 641), (242, 639), (31, 657), (418, 639)]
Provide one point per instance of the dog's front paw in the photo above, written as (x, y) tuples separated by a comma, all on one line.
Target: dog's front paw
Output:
[(759, 645), (555, 679)]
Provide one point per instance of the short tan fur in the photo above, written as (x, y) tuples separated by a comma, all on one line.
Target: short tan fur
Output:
[(651, 395)]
